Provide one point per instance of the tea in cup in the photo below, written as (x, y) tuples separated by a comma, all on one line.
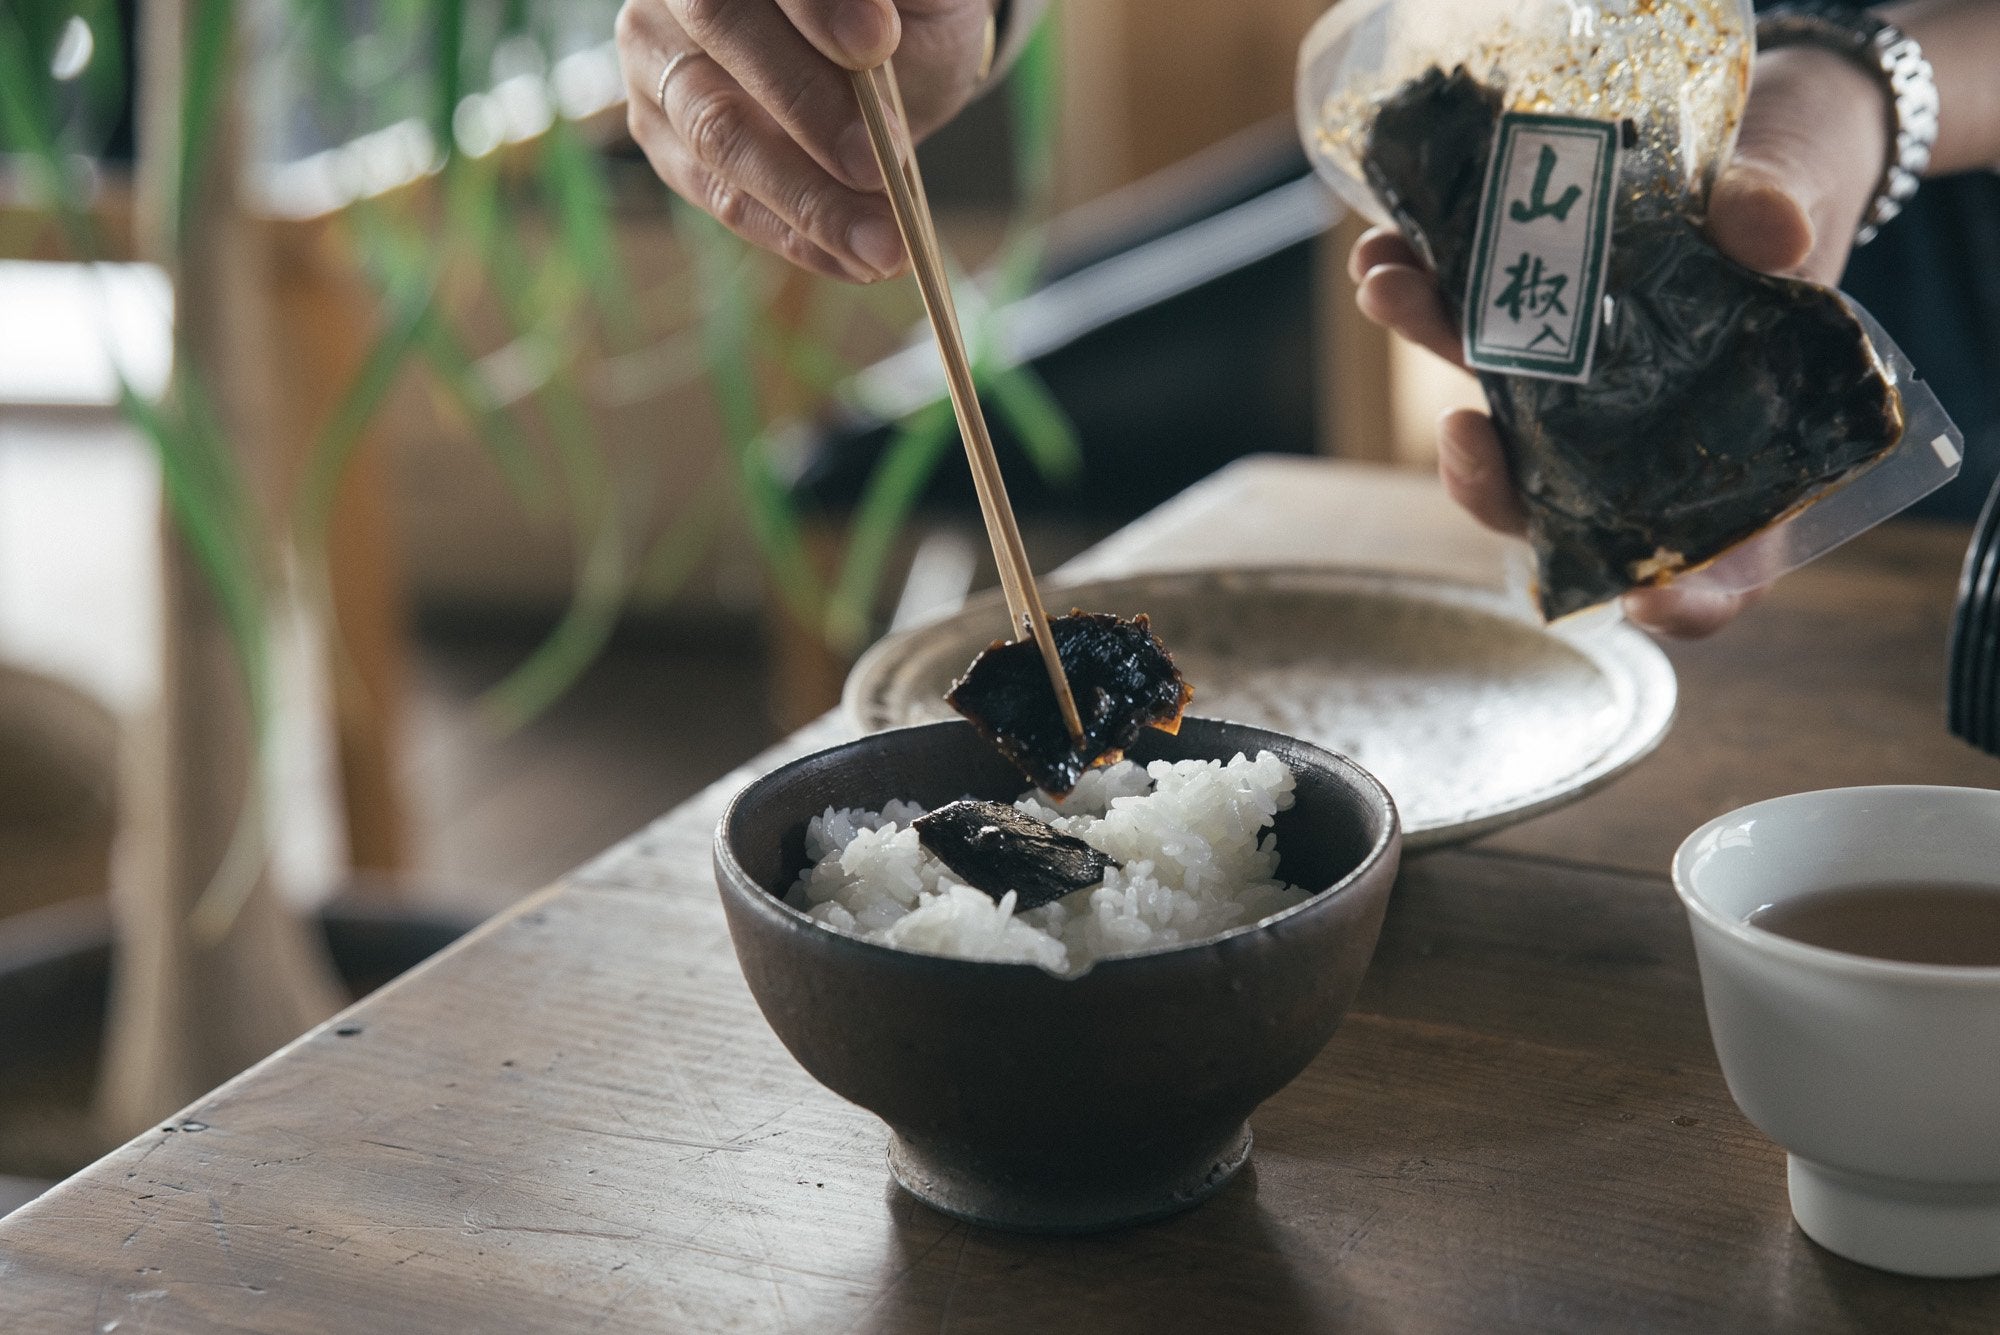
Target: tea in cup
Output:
[(1849, 946)]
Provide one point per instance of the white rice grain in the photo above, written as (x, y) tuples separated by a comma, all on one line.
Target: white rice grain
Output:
[(1189, 835)]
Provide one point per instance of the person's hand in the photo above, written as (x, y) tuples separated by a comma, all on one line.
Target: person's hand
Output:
[(1806, 165), (745, 109)]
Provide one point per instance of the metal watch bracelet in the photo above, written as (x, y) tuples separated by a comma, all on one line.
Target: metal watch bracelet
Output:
[(1894, 58)]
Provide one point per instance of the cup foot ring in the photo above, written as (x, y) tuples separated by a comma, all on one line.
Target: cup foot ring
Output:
[(1910, 1228)]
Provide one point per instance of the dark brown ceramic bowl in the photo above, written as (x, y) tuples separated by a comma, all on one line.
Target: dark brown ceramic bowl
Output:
[(1023, 1100)]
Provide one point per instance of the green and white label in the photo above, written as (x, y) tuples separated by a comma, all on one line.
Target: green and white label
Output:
[(1544, 238)]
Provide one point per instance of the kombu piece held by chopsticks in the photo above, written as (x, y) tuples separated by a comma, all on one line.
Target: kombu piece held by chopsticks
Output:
[(995, 848), (1123, 678), (1720, 399)]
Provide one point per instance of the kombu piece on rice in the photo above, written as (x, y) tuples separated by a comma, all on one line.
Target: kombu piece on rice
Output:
[(995, 848), (1720, 398)]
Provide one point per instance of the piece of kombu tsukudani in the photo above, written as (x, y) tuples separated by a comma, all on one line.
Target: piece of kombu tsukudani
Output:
[(995, 848), (1123, 678)]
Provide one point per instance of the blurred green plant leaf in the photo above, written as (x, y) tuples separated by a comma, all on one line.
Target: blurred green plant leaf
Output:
[(727, 320), (473, 212), (586, 625), (807, 359), (447, 74), (494, 427), (599, 595), (28, 38), (204, 494), (915, 449), (574, 178), (214, 513), (1034, 104), (1022, 400), (677, 550), (205, 83), (106, 78), (595, 504), (410, 312), (27, 120), (202, 484), (397, 263)]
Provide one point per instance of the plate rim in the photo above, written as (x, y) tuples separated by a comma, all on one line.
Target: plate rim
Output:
[(1627, 658)]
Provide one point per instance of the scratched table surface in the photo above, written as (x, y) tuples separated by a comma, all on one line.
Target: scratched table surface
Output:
[(577, 1120)]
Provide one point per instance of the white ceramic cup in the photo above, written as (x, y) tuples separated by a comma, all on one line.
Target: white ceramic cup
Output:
[(1880, 1079)]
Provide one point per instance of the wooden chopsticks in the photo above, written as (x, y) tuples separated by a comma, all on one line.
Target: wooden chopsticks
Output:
[(896, 155)]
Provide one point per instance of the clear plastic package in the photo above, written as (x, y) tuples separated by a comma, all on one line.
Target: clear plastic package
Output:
[(1669, 416), (1927, 457), (1679, 68)]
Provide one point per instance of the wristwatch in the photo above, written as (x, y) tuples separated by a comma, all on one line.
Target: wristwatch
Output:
[(1891, 56)]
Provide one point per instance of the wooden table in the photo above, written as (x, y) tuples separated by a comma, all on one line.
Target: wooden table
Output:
[(576, 1119)]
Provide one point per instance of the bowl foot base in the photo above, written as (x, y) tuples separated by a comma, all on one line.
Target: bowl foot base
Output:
[(1912, 1228), (1062, 1208)]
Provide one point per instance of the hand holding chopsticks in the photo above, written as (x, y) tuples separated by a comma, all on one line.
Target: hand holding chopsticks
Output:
[(882, 111)]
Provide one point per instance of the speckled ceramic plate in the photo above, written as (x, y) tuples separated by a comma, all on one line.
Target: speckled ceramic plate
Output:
[(1472, 713)]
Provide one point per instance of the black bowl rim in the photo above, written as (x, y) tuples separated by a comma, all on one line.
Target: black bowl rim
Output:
[(774, 909)]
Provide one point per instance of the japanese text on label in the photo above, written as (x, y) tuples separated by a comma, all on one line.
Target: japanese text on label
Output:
[(1539, 258)]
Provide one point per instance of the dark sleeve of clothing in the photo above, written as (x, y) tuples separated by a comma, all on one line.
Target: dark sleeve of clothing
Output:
[(1933, 279)]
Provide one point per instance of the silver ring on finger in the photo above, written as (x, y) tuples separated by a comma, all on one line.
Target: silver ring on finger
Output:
[(660, 88)]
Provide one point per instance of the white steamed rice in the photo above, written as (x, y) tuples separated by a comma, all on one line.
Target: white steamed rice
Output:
[(1190, 836)]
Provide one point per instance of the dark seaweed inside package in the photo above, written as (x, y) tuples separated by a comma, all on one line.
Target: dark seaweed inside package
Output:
[(1719, 399)]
